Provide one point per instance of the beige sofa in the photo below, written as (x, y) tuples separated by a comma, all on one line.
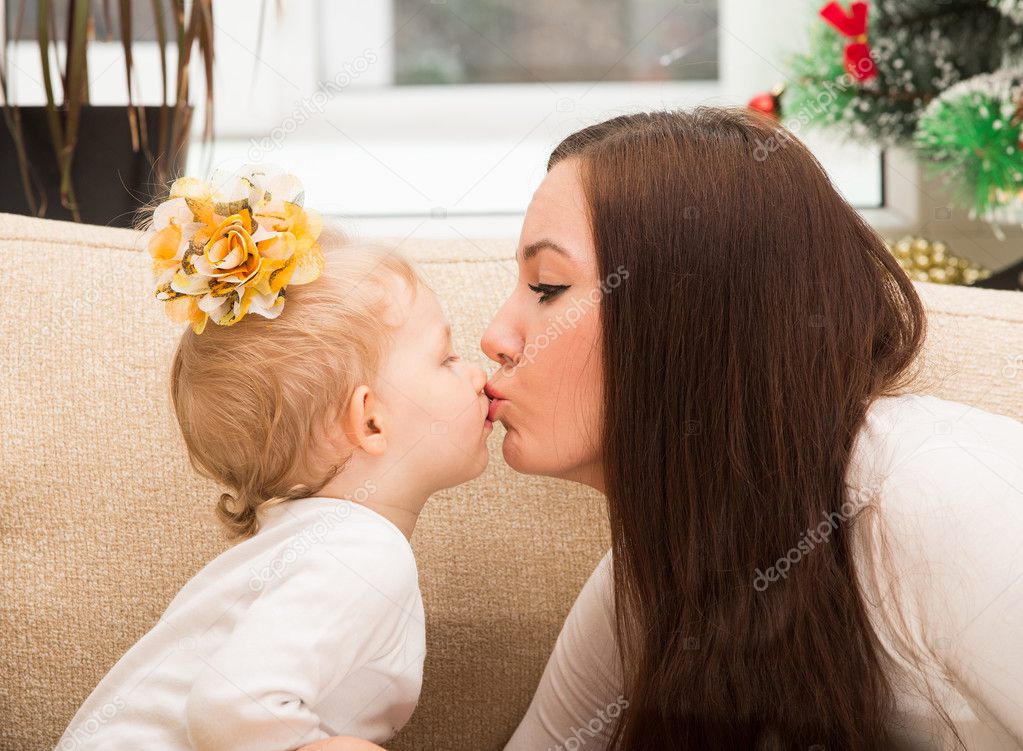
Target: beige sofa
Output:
[(102, 519)]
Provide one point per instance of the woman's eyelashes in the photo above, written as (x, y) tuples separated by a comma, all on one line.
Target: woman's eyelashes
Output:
[(450, 359), (548, 292)]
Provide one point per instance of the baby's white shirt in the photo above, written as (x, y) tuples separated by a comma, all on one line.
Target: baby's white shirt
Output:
[(311, 628)]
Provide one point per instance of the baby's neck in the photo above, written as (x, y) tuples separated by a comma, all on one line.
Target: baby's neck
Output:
[(393, 500), (403, 518)]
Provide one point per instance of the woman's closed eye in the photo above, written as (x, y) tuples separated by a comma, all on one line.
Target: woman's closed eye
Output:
[(548, 292), (450, 359)]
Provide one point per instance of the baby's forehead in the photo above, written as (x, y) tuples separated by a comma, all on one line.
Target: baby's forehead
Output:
[(416, 309)]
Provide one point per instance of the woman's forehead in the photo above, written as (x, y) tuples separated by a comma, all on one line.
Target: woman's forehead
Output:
[(557, 213)]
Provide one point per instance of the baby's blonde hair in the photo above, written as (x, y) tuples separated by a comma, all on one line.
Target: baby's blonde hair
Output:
[(251, 398)]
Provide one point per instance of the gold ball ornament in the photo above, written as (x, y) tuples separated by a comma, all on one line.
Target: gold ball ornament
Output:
[(926, 261)]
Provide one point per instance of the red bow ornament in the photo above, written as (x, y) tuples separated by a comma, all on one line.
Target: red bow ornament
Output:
[(858, 62)]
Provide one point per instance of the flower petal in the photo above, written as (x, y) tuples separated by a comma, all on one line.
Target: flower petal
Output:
[(308, 266), (170, 212), (164, 244), (261, 233), (190, 187), (216, 307), (181, 309), (280, 248), (190, 284), (196, 194), (239, 308), (268, 306), (286, 187), (198, 321)]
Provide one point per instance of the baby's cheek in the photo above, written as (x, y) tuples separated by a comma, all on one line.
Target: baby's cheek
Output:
[(450, 410)]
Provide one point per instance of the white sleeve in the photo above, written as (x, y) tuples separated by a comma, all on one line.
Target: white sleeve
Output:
[(331, 609), (957, 514), (580, 692)]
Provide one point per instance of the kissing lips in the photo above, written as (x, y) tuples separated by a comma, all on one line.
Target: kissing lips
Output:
[(496, 400), (494, 406)]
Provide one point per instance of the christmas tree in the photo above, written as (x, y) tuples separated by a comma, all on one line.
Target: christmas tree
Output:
[(941, 78), (974, 133), (872, 69)]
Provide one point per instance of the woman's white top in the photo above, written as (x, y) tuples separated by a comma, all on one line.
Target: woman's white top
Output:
[(311, 628), (946, 480)]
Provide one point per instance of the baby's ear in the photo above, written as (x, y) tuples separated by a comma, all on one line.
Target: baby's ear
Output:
[(364, 421)]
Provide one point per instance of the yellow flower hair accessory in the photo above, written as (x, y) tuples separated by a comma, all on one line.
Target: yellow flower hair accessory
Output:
[(230, 246)]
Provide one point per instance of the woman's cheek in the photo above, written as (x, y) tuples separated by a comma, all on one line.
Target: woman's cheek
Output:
[(571, 381)]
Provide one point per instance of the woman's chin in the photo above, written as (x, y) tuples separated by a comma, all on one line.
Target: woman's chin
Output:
[(530, 459), (511, 450), (518, 456)]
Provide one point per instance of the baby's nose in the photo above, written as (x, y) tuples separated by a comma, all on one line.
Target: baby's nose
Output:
[(479, 378)]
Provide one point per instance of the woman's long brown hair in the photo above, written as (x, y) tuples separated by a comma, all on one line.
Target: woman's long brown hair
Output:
[(760, 317)]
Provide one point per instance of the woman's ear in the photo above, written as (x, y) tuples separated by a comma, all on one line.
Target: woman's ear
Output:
[(364, 422)]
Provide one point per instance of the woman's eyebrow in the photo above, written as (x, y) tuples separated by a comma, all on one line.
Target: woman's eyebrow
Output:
[(533, 248)]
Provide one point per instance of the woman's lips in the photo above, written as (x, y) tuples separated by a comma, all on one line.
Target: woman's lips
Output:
[(496, 400)]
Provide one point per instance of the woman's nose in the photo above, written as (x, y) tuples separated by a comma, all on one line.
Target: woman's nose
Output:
[(498, 343)]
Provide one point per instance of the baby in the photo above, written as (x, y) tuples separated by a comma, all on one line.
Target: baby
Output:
[(331, 420)]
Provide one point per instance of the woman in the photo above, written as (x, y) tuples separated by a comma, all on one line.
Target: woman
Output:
[(804, 554)]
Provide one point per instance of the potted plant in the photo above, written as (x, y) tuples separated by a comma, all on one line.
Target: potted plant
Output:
[(69, 159)]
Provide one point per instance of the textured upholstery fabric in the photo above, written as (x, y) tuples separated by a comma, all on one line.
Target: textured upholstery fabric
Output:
[(102, 519)]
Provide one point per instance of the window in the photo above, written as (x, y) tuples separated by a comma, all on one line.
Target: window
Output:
[(536, 41), (437, 116)]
